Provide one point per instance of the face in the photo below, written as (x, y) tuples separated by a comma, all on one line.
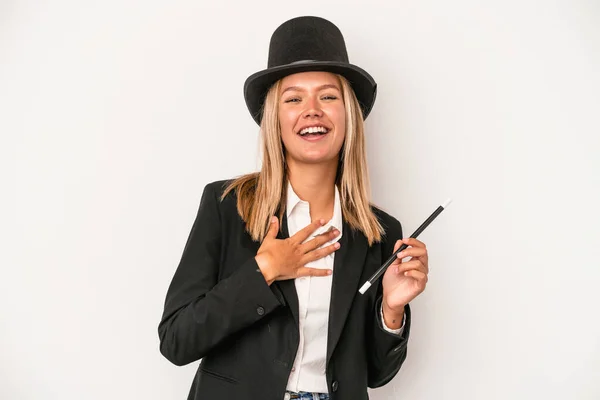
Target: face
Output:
[(312, 117)]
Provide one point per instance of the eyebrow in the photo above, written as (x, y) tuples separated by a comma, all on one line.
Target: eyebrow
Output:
[(299, 89)]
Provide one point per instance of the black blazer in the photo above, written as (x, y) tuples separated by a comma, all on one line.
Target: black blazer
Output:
[(220, 309)]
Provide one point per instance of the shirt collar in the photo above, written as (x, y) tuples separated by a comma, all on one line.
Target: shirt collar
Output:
[(336, 221)]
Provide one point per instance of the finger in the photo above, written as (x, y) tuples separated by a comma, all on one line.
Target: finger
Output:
[(273, 227), (305, 232), (413, 265), (396, 262), (319, 240), (398, 244), (413, 242), (412, 252), (320, 253), (418, 275), (304, 271)]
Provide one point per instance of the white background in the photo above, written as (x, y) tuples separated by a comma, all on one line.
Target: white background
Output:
[(115, 114)]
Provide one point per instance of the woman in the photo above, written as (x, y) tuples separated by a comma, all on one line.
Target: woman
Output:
[(266, 293)]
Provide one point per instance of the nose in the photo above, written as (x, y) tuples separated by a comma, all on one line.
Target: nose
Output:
[(313, 108)]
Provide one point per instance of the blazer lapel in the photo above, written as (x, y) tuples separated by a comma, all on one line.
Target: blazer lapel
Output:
[(288, 286), (347, 270)]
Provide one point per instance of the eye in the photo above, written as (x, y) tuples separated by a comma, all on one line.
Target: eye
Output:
[(292, 100), (329, 97)]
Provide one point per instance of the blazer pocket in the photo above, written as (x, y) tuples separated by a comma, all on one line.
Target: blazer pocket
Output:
[(218, 375)]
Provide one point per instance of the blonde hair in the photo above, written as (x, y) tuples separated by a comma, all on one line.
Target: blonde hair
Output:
[(270, 183)]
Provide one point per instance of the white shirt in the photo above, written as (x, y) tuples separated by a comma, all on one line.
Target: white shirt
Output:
[(314, 295)]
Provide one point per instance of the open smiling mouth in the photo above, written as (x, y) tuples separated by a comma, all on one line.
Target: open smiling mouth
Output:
[(313, 131)]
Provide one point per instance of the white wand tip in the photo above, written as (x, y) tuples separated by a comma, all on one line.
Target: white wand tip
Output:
[(447, 203), (364, 287)]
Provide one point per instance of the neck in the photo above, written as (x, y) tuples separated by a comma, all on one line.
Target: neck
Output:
[(315, 183)]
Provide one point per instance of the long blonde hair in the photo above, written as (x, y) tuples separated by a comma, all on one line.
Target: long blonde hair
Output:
[(270, 183)]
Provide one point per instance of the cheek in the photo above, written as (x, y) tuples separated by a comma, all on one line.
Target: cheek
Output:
[(340, 123), (286, 122), (340, 119)]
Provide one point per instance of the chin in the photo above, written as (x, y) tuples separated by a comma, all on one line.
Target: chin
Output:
[(318, 159)]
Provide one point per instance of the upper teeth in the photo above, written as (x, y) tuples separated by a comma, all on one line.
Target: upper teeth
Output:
[(313, 129)]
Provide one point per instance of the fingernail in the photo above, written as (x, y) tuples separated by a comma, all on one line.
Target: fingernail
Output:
[(329, 272), (273, 219), (400, 255), (337, 245)]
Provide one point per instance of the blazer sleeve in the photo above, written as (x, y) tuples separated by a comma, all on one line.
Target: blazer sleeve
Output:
[(199, 310), (386, 351)]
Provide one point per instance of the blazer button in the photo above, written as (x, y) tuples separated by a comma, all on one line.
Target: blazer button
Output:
[(334, 386), (260, 310)]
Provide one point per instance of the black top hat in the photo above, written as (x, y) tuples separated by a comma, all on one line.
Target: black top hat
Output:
[(307, 44)]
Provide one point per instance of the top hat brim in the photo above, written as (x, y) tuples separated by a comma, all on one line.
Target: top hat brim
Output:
[(258, 84)]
